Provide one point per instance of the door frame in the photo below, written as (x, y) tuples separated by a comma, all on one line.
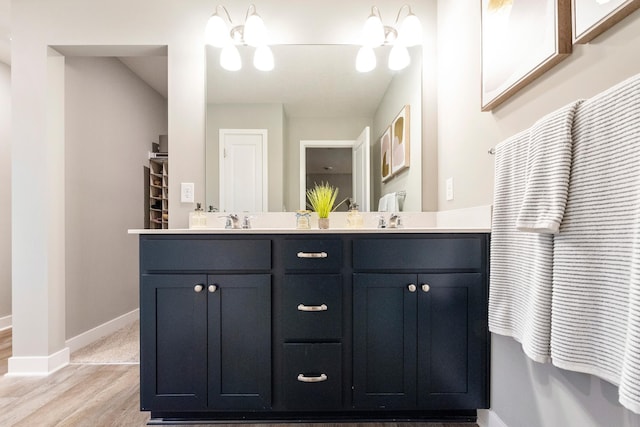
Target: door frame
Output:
[(265, 162), (304, 144)]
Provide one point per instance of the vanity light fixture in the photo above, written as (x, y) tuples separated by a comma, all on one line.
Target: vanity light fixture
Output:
[(253, 33), (375, 33)]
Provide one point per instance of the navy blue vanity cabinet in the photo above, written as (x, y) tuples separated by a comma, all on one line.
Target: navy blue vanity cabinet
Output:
[(420, 316), (205, 307), (173, 342), (312, 323), (313, 327)]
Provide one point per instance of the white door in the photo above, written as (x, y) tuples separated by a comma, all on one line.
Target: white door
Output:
[(243, 170), (361, 170)]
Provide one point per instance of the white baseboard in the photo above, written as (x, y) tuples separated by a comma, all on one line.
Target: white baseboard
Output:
[(5, 322), (103, 330), (38, 365), (488, 418)]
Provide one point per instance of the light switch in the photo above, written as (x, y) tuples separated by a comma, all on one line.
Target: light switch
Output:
[(186, 192), (449, 188)]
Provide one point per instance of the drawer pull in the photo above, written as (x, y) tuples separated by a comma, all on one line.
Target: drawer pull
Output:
[(426, 288), (312, 255), (412, 287), (302, 307), (305, 379), (213, 288), (198, 288)]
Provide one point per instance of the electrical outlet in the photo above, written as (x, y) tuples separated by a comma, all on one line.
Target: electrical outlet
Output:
[(449, 188), (186, 192)]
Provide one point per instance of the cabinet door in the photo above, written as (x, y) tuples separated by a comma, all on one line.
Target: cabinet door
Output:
[(173, 333), (384, 331), (452, 361), (239, 322)]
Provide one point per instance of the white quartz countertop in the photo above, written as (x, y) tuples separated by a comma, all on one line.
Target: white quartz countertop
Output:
[(310, 231), (471, 220)]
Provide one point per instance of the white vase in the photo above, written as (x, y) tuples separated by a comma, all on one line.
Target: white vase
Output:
[(323, 223)]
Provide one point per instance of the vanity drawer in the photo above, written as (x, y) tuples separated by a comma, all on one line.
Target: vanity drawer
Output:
[(312, 254), (205, 254), (312, 376), (410, 253), (312, 306)]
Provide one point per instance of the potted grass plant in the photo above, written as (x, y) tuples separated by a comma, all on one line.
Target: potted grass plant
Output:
[(321, 199)]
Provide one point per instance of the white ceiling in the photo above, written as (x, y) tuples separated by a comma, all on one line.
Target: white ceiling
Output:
[(151, 69), (309, 80)]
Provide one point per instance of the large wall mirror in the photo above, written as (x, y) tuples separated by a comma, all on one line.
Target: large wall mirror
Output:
[(260, 119)]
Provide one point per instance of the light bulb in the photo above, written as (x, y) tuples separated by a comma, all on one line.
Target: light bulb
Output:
[(373, 31), (398, 57), (255, 32), (216, 33), (366, 59), (410, 33), (230, 58), (263, 58)]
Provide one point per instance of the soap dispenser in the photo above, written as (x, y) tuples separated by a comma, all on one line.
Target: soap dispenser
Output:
[(198, 218), (354, 218)]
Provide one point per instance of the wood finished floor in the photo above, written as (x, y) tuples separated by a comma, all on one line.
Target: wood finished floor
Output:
[(94, 396)]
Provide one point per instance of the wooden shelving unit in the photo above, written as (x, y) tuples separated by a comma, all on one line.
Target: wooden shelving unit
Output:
[(159, 193)]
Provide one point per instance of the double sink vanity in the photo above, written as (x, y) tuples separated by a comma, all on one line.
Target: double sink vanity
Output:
[(278, 324)]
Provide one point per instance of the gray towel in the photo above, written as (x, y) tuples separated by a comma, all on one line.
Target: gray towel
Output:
[(548, 169), (521, 265), (596, 271)]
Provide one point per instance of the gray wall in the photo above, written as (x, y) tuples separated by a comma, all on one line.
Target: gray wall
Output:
[(401, 91), (5, 190), (112, 118), (524, 393)]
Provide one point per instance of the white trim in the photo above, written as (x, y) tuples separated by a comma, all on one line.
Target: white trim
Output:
[(103, 330), (488, 418), (304, 144), (30, 366), (5, 322), (265, 163)]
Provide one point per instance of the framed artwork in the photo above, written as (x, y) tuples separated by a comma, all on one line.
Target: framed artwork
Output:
[(400, 141), (592, 18), (521, 40), (385, 154)]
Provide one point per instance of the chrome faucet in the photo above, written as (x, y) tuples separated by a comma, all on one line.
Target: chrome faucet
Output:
[(381, 222), (246, 222), (232, 221), (395, 221)]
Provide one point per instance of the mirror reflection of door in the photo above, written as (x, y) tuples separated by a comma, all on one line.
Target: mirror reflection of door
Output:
[(344, 164), (330, 165), (243, 170)]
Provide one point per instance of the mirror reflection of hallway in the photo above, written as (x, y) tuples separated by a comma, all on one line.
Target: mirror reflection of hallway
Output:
[(332, 165)]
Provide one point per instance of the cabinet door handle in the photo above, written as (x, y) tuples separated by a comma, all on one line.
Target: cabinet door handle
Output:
[(426, 287), (305, 379), (302, 307), (312, 255), (412, 287), (198, 288), (213, 288)]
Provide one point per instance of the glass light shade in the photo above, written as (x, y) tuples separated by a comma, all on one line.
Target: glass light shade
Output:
[(216, 32), (255, 32), (230, 58), (373, 32), (410, 33), (263, 58), (399, 57), (366, 59)]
